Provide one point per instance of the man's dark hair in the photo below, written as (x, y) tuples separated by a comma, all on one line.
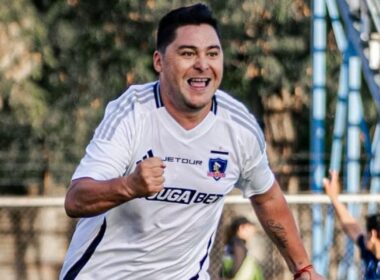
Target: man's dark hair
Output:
[(373, 222), (192, 15)]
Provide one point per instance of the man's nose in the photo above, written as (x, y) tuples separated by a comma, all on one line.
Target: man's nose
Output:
[(201, 63)]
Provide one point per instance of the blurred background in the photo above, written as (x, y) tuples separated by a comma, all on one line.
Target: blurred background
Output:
[(62, 61)]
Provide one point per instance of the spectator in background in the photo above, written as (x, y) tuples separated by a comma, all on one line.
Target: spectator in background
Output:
[(238, 264), (367, 241)]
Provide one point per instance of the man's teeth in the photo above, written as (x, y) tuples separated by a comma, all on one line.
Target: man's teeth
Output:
[(199, 81)]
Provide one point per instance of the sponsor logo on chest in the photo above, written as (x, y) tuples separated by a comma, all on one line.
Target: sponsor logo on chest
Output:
[(182, 160), (184, 196), (217, 166)]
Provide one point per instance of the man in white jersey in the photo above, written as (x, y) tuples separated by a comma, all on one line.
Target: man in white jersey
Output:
[(151, 187)]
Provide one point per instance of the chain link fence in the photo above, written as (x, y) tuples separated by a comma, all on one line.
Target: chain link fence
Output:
[(35, 233)]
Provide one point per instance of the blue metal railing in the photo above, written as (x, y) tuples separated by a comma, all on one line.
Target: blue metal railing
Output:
[(352, 40), (354, 36)]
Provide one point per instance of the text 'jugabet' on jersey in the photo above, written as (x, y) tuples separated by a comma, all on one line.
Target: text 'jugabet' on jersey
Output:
[(184, 196)]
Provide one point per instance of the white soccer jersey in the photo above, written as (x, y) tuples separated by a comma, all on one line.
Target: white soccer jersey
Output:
[(168, 235)]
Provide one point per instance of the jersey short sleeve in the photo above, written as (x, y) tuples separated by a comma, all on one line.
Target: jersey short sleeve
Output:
[(256, 175), (256, 178)]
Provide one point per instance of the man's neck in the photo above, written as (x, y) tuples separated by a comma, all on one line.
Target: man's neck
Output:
[(188, 120), (185, 117)]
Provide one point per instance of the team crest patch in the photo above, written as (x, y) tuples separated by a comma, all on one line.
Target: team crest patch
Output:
[(217, 167)]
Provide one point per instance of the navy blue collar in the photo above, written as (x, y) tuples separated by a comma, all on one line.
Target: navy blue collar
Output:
[(159, 103)]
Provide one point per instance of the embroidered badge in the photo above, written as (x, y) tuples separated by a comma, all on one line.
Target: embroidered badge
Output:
[(217, 167)]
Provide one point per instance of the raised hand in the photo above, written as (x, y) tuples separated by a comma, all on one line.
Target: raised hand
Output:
[(332, 185), (147, 179)]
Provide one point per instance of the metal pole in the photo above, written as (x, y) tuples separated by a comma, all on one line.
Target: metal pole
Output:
[(318, 123), (375, 169), (348, 269), (340, 125)]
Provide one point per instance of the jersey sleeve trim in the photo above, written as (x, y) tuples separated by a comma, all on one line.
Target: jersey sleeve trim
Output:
[(262, 190)]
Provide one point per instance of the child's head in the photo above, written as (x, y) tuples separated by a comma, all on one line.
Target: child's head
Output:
[(373, 222), (373, 234), (242, 228)]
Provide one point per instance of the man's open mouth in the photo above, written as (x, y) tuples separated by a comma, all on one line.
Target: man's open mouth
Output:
[(199, 82)]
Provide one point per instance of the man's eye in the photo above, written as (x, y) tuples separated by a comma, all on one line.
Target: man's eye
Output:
[(213, 54), (187, 53)]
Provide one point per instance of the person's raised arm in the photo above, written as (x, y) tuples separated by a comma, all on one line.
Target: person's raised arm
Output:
[(348, 222), (89, 197), (277, 220)]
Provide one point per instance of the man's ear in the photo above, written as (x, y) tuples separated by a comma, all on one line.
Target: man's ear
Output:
[(157, 61)]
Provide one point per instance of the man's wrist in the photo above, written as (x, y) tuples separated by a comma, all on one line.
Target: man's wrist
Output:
[(308, 269)]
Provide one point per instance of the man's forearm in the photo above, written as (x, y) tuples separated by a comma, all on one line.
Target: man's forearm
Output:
[(278, 222), (88, 197), (284, 234)]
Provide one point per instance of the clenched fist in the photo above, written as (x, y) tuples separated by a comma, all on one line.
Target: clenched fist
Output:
[(147, 179)]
